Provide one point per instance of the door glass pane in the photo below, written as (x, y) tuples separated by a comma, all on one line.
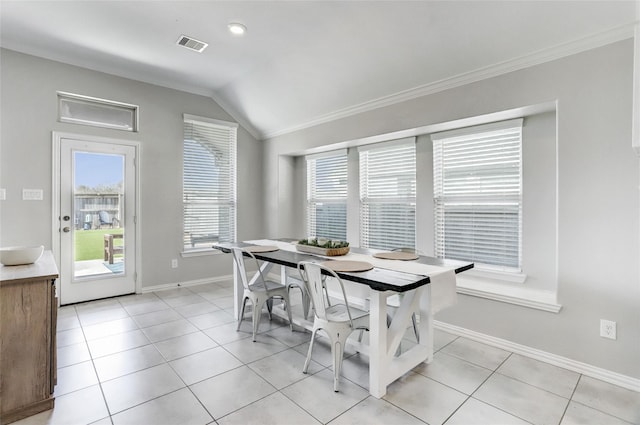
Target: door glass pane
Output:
[(98, 221)]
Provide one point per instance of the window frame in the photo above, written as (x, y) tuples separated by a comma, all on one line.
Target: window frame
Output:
[(227, 185), (536, 286), (372, 194), (495, 201), (94, 102), (339, 195)]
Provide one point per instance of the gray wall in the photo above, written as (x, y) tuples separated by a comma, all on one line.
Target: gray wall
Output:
[(597, 255), (29, 115)]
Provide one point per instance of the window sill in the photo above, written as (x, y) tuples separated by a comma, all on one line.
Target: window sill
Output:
[(538, 299), (492, 275), (200, 252)]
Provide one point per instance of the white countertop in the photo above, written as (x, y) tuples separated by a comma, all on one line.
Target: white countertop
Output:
[(44, 268)]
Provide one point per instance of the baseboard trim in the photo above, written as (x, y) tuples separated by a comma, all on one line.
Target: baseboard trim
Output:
[(560, 361), (196, 282)]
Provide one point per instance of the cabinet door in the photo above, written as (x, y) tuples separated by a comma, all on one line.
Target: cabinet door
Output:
[(25, 344)]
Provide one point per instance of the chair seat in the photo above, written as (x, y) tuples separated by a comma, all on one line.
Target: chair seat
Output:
[(338, 313), (271, 285)]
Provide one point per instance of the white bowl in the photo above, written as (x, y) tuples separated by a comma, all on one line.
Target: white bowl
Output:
[(16, 255)]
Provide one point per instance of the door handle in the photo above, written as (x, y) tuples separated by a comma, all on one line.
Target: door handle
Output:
[(66, 229)]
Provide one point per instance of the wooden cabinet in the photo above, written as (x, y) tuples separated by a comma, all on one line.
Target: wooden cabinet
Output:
[(28, 314)]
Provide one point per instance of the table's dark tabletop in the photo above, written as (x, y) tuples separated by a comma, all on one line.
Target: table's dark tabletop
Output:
[(377, 278)]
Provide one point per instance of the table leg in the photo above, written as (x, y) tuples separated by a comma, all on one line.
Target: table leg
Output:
[(384, 365), (238, 291), (426, 323), (377, 343)]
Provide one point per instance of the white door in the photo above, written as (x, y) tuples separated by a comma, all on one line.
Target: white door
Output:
[(97, 210)]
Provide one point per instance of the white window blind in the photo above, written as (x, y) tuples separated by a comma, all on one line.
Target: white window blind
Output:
[(388, 195), (209, 182), (327, 195), (478, 195)]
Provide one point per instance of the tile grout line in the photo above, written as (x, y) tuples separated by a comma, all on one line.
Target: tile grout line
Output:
[(590, 407), (493, 372), (566, 408), (243, 364), (95, 370), (188, 386), (470, 396), (165, 362), (100, 382)]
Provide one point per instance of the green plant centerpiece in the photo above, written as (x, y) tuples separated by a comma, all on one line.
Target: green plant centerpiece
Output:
[(323, 243), (323, 246)]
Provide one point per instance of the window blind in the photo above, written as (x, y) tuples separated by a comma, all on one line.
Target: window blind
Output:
[(209, 182), (388, 195), (327, 195), (478, 195)]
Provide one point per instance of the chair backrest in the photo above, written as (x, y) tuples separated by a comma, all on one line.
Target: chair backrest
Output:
[(238, 257), (311, 274), (104, 217)]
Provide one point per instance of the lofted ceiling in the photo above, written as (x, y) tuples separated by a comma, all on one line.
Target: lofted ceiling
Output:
[(306, 62)]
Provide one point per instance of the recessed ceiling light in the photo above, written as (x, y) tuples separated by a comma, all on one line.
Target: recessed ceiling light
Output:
[(236, 28)]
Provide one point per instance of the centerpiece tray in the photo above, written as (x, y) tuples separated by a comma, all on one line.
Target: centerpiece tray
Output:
[(328, 252)]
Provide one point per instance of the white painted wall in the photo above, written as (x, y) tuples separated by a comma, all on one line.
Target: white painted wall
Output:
[(595, 259), (29, 115)]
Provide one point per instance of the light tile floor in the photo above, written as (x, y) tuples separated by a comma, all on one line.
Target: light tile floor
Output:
[(175, 357)]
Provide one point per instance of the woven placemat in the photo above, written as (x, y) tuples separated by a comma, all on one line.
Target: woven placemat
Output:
[(397, 255), (260, 248), (348, 266)]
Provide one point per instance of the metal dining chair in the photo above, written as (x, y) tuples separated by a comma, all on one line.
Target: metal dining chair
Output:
[(261, 292), (338, 321)]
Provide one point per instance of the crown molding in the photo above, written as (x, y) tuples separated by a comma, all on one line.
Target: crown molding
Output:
[(539, 57)]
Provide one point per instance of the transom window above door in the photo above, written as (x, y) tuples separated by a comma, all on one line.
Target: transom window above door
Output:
[(92, 111)]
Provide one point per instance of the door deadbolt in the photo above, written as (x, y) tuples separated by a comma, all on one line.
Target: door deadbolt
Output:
[(66, 218)]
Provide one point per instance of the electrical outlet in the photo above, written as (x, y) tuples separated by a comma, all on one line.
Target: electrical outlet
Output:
[(174, 263), (607, 329)]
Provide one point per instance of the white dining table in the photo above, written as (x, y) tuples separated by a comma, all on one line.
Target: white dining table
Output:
[(426, 285)]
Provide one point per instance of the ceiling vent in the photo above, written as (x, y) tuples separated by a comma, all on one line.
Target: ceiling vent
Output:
[(192, 43)]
